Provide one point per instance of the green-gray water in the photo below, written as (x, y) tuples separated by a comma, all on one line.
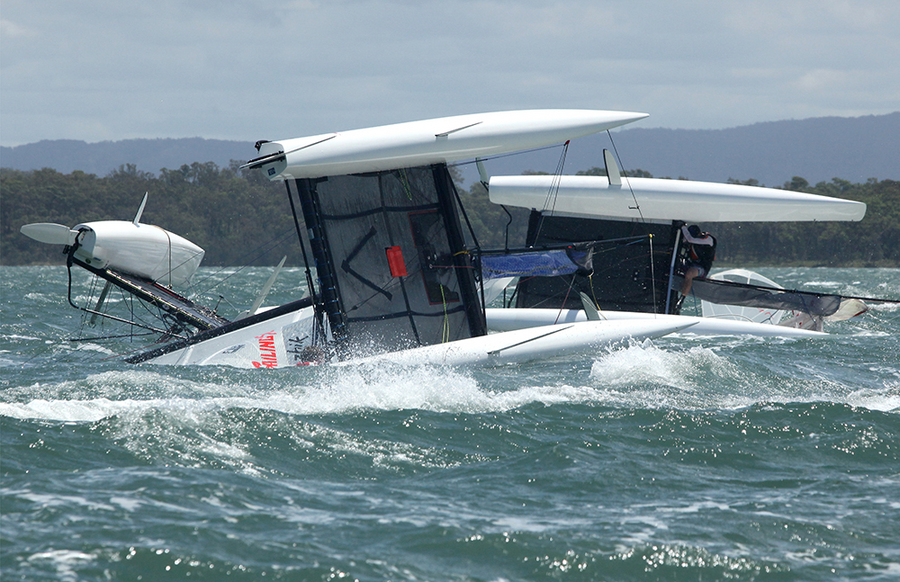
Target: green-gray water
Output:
[(677, 459)]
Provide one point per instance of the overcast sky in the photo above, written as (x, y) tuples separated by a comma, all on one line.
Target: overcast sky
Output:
[(98, 70)]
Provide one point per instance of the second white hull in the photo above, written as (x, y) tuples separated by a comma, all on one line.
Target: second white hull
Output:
[(499, 319), (528, 344), (656, 199)]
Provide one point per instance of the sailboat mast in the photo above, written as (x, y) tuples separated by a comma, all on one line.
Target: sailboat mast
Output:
[(325, 272), (461, 259)]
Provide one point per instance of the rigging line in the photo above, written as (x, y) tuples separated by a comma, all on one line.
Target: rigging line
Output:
[(554, 189), (508, 222), (445, 326), (85, 310), (317, 313), (643, 220), (131, 307), (230, 304), (107, 337), (511, 297), (630, 189), (404, 181), (500, 156), (553, 193), (566, 298), (127, 322), (593, 292), (653, 274), (498, 350), (595, 245), (90, 301), (181, 264), (263, 249), (160, 314), (799, 292), (169, 240), (676, 252)]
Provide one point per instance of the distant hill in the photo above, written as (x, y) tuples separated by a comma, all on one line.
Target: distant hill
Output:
[(817, 149), (101, 158)]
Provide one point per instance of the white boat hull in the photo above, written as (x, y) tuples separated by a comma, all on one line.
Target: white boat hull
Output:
[(667, 200), (275, 343), (499, 319), (523, 345), (419, 143), (143, 250)]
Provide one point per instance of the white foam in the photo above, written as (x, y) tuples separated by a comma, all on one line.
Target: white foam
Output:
[(92, 347), (51, 500), (64, 561), (128, 504), (823, 284), (885, 400), (60, 410), (384, 388), (645, 375), (61, 556), (14, 336), (696, 507), (640, 375)]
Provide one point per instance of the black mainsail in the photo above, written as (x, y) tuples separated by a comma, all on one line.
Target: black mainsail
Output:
[(392, 267), (630, 264)]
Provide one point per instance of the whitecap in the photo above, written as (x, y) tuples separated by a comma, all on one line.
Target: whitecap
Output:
[(58, 410), (884, 400), (382, 388), (64, 562), (646, 376), (14, 336), (823, 284)]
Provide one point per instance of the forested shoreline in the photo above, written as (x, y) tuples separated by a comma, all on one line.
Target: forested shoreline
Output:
[(241, 218)]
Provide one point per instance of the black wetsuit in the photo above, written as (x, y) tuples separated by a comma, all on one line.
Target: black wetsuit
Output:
[(703, 255)]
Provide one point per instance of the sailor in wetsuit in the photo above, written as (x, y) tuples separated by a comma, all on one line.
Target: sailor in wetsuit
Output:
[(702, 253)]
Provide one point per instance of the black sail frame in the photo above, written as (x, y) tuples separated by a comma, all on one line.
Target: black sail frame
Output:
[(392, 267)]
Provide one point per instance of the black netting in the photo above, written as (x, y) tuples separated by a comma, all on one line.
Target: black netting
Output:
[(623, 277), (397, 278)]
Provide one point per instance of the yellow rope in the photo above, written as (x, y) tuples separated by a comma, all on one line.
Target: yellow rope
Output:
[(404, 180), (445, 327)]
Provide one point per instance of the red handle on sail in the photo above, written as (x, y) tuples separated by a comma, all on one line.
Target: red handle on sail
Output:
[(395, 261)]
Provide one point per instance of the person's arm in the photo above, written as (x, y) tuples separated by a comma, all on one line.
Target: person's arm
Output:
[(705, 240)]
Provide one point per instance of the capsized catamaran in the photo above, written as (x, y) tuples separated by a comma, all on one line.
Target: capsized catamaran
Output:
[(378, 218), (393, 274), (614, 246)]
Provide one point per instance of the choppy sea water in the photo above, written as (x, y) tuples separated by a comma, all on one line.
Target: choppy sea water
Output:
[(677, 459)]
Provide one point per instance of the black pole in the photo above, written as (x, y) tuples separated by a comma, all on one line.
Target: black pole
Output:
[(460, 254), (325, 271)]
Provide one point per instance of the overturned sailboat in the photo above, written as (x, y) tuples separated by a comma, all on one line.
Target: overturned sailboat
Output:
[(381, 229), (391, 276)]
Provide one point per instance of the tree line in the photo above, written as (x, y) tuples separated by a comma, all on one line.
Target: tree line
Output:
[(241, 218)]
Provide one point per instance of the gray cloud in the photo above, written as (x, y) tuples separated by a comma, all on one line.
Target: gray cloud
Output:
[(105, 70)]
